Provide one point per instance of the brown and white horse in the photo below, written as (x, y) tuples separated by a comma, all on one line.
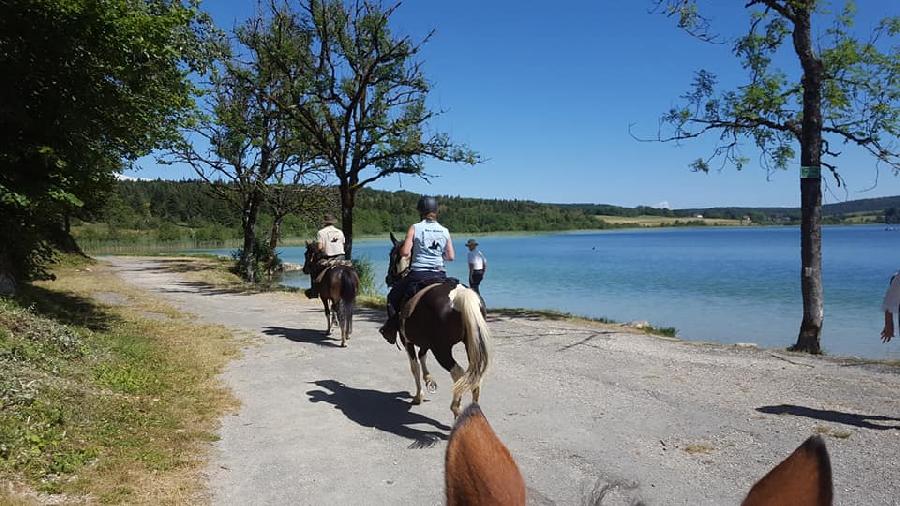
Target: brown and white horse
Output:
[(480, 471), (444, 316), (338, 290)]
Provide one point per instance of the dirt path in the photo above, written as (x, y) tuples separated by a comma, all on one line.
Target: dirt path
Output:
[(579, 407)]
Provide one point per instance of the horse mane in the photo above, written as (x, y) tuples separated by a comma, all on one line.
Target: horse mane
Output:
[(479, 468), (802, 479)]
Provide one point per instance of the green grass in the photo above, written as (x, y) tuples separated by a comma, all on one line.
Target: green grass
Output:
[(99, 402)]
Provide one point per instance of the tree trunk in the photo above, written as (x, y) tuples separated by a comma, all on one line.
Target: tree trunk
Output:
[(248, 260), (810, 188), (347, 201), (275, 232), (8, 284)]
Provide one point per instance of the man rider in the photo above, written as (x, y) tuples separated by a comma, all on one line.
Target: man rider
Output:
[(331, 244)]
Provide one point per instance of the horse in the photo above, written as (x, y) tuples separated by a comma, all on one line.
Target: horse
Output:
[(479, 470), (337, 289), (444, 316)]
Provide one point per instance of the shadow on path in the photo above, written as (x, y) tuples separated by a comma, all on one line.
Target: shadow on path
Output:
[(385, 411), (864, 421), (305, 336)]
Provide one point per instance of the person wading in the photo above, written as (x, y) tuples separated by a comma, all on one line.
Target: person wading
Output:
[(430, 245)]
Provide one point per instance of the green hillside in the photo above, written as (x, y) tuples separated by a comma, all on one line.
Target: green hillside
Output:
[(186, 213)]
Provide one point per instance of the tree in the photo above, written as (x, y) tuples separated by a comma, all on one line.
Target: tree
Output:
[(848, 93), (245, 145), (361, 97), (86, 85)]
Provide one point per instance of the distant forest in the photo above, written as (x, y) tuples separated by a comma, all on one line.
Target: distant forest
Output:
[(177, 210)]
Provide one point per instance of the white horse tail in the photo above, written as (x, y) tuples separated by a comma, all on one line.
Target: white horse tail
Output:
[(477, 338)]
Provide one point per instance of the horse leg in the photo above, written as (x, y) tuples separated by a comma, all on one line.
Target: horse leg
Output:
[(414, 367), (445, 358), (430, 384), (327, 314)]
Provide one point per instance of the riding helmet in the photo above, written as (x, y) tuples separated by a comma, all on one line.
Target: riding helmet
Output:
[(427, 205)]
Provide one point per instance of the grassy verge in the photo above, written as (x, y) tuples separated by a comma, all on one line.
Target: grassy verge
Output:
[(111, 402), (548, 314)]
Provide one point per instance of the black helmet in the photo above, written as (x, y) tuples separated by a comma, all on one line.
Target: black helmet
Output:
[(427, 205)]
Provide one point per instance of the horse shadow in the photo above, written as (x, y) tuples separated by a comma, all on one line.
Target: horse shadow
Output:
[(856, 420), (312, 336), (385, 411)]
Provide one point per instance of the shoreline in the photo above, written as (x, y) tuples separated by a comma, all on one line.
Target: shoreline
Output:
[(217, 275)]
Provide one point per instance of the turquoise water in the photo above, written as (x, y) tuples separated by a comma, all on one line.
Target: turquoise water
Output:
[(713, 284)]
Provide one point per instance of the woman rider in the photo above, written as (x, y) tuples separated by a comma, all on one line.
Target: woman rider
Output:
[(429, 244)]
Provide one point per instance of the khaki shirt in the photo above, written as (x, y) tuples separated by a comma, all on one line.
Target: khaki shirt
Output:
[(332, 239)]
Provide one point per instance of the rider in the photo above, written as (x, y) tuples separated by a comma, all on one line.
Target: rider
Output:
[(429, 244), (331, 245)]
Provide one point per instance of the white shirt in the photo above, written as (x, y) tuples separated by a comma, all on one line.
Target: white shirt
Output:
[(332, 239), (476, 260), (892, 296)]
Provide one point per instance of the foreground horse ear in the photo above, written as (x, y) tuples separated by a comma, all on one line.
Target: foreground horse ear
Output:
[(803, 479), (394, 239), (479, 469)]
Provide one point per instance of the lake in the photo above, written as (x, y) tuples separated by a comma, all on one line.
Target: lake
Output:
[(713, 284)]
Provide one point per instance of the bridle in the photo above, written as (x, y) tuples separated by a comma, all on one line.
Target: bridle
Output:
[(394, 274), (312, 255)]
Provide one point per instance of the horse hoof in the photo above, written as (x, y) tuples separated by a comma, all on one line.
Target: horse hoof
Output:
[(431, 385), (416, 401)]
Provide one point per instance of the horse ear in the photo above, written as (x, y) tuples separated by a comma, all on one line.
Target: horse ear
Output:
[(478, 467), (394, 239), (803, 479)]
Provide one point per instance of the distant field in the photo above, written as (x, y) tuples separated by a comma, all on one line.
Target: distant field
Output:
[(656, 221)]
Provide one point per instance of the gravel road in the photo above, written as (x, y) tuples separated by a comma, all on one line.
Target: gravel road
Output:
[(582, 408)]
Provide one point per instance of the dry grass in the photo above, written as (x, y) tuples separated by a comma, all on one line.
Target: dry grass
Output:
[(824, 430), (698, 449), (143, 403)]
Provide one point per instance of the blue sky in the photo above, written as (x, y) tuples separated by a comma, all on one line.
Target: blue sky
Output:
[(546, 93)]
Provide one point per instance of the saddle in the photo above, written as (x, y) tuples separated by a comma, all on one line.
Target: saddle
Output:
[(409, 303), (327, 263)]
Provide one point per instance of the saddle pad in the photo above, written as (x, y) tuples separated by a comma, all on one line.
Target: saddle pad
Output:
[(410, 306), (328, 264)]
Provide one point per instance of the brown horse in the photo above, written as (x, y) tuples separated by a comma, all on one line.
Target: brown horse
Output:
[(479, 470), (444, 316), (337, 289)]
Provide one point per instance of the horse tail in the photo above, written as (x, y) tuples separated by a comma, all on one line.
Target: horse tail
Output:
[(349, 287), (477, 338)]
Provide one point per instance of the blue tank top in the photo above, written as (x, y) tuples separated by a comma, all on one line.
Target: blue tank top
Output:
[(429, 243)]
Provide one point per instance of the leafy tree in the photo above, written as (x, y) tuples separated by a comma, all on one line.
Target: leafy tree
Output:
[(360, 96), (86, 84), (245, 145), (848, 92)]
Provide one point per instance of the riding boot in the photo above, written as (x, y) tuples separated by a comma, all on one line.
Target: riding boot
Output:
[(311, 292), (391, 327)]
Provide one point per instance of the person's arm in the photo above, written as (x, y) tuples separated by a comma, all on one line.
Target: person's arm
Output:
[(406, 248), (320, 240), (449, 254), (483, 263), (888, 332)]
